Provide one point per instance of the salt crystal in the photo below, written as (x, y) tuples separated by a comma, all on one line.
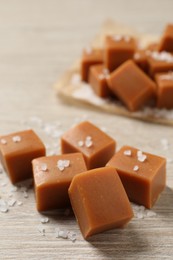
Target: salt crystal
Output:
[(25, 195), (140, 215), (80, 143), (136, 168), (44, 167), (66, 163), (11, 202), (3, 206), (162, 56), (141, 157), (88, 143), (16, 139), (128, 152), (14, 189), (106, 71), (44, 220), (117, 37), (62, 234), (19, 203), (150, 213), (41, 229), (3, 141), (72, 236), (62, 164)]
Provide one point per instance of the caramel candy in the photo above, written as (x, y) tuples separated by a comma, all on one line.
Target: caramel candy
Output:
[(90, 57), (17, 150), (133, 87), (96, 146), (166, 43), (52, 178), (159, 62), (118, 49), (142, 174), (99, 201), (165, 90), (98, 82), (140, 58)]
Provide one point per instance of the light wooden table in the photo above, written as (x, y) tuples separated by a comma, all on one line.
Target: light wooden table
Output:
[(38, 41)]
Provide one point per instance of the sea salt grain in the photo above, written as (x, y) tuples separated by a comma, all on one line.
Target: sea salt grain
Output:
[(62, 164), (25, 195), (16, 139), (44, 220), (136, 168), (41, 229), (3, 206), (128, 152), (80, 143), (72, 236), (117, 37), (11, 202), (19, 203), (141, 157), (61, 233), (44, 167), (3, 141)]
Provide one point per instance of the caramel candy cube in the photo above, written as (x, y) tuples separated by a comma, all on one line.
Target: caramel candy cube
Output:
[(159, 62), (99, 201), (117, 50), (142, 174), (133, 87), (140, 58), (52, 178), (98, 82), (96, 146), (166, 43), (17, 150), (90, 57), (165, 90)]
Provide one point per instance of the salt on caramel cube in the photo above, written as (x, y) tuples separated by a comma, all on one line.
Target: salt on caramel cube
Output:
[(131, 85), (97, 79), (143, 175), (99, 201), (118, 49), (96, 146), (17, 150), (164, 90), (90, 57), (52, 178), (159, 62), (166, 42)]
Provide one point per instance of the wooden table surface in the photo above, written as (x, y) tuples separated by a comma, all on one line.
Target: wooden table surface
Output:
[(39, 40)]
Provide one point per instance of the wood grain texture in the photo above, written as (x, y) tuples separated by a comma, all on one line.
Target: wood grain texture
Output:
[(39, 40)]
